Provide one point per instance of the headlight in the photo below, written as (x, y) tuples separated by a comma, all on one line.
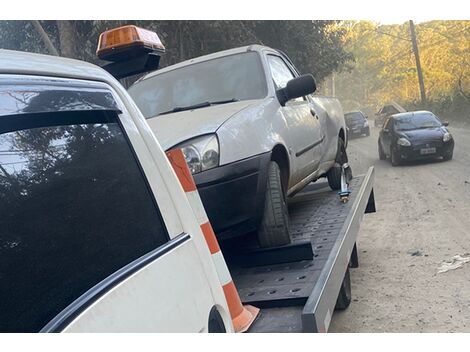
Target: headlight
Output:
[(201, 153), (403, 142), (366, 123), (447, 137)]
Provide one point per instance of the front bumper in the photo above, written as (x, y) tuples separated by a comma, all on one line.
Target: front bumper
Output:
[(414, 151), (233, 195)]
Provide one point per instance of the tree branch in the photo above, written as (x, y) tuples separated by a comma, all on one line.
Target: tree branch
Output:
[(45, 38)]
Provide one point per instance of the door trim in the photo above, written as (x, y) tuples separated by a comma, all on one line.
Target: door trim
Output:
[(64, 318), (311, 146)]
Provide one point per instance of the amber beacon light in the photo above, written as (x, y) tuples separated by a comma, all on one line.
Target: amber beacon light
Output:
[(127, 41)]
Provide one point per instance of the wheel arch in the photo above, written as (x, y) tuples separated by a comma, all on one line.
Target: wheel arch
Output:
[(281, 157)]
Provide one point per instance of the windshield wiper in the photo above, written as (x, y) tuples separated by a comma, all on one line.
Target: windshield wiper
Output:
[(198, 106)]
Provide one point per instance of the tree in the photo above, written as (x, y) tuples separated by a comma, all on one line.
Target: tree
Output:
[(314, 46), (385, 69)]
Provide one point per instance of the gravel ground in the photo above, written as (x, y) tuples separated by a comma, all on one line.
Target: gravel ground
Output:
[(422, 219)]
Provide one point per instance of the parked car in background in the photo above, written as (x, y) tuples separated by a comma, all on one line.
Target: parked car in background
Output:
[(357, 124), (414, 135), (385, 111), (251, 131)]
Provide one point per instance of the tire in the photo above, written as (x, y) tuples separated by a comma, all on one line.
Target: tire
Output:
[(368, 132), (334, 174), (394, 158), (448, 156), (274, 228), (382, 155), (344, 296)]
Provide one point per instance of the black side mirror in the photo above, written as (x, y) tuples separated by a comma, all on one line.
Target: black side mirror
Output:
[(446, 123), (296, 88)]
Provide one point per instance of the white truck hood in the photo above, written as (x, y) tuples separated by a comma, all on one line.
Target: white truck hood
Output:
[(172, 129)]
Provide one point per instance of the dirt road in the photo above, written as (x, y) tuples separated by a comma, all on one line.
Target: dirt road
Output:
[(423, 218)]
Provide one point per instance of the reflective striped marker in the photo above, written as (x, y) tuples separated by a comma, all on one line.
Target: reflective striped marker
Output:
[(242, 316)]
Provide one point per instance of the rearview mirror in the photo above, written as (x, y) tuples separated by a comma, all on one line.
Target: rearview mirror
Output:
[(296, 88), (446, 123)]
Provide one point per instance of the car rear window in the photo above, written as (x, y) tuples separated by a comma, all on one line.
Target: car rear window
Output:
[(75, 207)]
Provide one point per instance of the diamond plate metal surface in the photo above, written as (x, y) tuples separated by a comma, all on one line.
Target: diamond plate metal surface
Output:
[(316, 215)]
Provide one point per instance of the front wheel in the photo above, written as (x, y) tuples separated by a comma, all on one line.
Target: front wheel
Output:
[(448, 156), (394, 157), (274, 229), (382, 155)]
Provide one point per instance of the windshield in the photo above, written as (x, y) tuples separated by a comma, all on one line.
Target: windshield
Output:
[(353, 116), (416, 121), (228, 78)]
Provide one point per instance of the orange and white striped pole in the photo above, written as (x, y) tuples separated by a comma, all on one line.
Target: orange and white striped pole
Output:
[(242, 316)]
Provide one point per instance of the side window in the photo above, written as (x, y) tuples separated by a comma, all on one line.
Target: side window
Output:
[(75, 208), (281, 74)]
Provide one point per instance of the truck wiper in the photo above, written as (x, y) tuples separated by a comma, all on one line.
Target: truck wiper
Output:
[(198, 106)]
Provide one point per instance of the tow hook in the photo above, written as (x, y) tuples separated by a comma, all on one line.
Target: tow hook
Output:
[(345, 192)]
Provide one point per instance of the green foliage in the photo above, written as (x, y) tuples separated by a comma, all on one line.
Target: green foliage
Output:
[(314, 46), (385, 66)]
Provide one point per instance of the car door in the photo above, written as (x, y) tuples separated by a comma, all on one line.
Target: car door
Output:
[(88, 242), (386, 135), (303, 127)]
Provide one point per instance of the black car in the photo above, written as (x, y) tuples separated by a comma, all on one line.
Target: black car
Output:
[(414, 135), (357, 123)]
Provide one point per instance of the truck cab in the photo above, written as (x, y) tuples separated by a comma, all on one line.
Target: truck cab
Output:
[(97, 234)]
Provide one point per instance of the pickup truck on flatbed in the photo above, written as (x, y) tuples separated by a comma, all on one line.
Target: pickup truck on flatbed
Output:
[(252, 132)]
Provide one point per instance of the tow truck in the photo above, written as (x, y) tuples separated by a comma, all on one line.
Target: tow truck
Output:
[(297, 286), (124, 244)]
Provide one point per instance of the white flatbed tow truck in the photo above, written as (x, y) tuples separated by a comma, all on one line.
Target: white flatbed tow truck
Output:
[(297, 286), (145, 230)]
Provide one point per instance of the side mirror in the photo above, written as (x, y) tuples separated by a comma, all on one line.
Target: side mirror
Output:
[(296, 88), (446, 123)]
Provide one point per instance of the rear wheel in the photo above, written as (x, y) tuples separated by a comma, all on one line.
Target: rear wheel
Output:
[(344, 296), (334, 174), (274, 229)]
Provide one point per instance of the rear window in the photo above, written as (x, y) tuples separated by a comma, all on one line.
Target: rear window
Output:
[(75, 207)]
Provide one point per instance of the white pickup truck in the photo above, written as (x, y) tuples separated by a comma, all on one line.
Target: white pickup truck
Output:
[(251, 131)]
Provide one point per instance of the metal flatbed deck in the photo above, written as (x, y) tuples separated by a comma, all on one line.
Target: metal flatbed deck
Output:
[(298, 293)]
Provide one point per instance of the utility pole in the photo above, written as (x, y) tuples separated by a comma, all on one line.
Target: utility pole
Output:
[(418, 63)]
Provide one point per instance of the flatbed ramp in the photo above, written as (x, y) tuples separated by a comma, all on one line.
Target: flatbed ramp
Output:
[(297, 286)]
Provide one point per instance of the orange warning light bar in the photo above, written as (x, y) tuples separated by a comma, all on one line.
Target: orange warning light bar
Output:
[(127, 40)]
